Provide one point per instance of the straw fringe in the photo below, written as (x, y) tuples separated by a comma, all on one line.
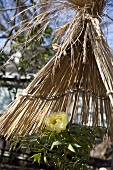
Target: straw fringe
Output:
[(81, 70)]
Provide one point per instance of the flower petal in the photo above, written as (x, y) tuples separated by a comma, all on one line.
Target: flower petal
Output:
[(57, 122)]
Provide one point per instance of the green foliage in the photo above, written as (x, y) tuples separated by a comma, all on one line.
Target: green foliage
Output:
[(68, 150), (35, 53)]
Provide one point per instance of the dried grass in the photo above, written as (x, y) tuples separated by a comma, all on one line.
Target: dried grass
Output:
[(94, 7), (81, 68)]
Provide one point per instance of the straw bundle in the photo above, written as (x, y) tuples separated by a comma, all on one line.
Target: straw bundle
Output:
[(93, 6), (82, 67)]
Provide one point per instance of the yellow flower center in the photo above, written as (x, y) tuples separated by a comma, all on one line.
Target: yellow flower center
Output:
[(54, 122), (57, 122)]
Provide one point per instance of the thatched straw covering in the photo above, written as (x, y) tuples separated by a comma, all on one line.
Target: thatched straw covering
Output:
[(81, 68), (94, 7)]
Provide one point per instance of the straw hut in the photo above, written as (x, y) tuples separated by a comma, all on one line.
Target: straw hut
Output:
[(81, 68)]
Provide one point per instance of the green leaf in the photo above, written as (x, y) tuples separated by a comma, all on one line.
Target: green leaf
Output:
[(75, 144), (33, 142), (45, 159), (23, 149), (37, 157), (70, 147), (56, 143)]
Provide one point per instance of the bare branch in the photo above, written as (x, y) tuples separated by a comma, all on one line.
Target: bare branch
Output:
[(8, 9), (108, 17)]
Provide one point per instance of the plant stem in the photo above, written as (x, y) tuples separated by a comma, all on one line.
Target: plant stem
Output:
[(64, 158)]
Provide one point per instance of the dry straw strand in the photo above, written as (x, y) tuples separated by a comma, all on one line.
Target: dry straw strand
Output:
[(80, 71)]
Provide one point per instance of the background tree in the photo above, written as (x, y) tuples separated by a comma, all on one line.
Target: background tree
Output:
[(24, 58)]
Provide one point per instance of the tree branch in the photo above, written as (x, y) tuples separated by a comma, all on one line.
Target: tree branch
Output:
[(108, 17)]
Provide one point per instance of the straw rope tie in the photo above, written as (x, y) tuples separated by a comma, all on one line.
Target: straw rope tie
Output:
[(96, 23), (58, 96)]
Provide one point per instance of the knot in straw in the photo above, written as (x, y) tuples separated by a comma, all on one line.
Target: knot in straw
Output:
[(94, 7)]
